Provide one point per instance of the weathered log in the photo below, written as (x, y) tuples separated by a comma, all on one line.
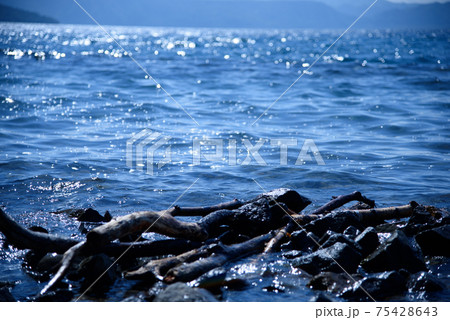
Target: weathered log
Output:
[(212, 222), (369, 216), (203, 211), (223, 254), (341, 200), (68, 257), (297, 219), (275, 243), (119, 249), (338, 221), (158, 268), (23, 238), (255, 217), (143, 221)]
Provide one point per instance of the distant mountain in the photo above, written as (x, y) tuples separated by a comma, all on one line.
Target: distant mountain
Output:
[(10, 14), (194, 13), (435, 15), (244, 13)]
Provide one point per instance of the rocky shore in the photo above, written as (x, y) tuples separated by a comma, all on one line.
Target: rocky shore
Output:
[(353, 253)]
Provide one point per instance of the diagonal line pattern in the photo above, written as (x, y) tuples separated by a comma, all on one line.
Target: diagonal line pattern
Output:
[(315, 61), (136, 62), (319, 246), (139, 238)]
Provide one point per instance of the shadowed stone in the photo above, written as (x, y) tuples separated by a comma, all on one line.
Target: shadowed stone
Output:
[(425, 281), (180, 292), (379, 286), (435, 242), (368, 241), (325, 260), (394, 254)]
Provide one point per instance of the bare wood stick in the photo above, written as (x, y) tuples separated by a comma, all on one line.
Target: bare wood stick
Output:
[(341, 200), (275, 243), (68, 257), (23, 238), (368, 216), (337, 202), (203, 211), (26, 239), (159, 222), (190, 271), (158, 268)]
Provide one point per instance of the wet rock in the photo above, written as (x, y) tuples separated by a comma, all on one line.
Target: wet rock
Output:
[(236, 284), (213, 280), (231, 237), (378, 286), (331, 282), (419, 221), (368, 241), (32, 258), (180, 292), (48, 262), (325, 259), (93, 267), (91, 215), (258, 217), (135, 298), (291, 198), (337, 237), (394, 254), (425, 281), (420, 215), (6, 296), (334, 221), (360, 206), (293, 254), (155, 290), (302, 241), (323, 297), (107, 217), (326, 236), (351, 232), (435, 242)]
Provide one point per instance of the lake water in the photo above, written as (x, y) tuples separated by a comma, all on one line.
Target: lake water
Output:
[(376, 106)]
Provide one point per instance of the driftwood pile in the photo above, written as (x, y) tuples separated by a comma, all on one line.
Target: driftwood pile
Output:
[(325, 243)]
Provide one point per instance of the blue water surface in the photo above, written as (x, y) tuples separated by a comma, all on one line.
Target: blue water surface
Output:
[(376, 106)]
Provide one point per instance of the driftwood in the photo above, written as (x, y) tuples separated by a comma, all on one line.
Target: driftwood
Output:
[(203, 211), (196, 247), (368, 216), (68, 257), (158, 268), (23, 238), (190, 271), (139, 222), (298, 220), (341, 200), (275, 243)]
